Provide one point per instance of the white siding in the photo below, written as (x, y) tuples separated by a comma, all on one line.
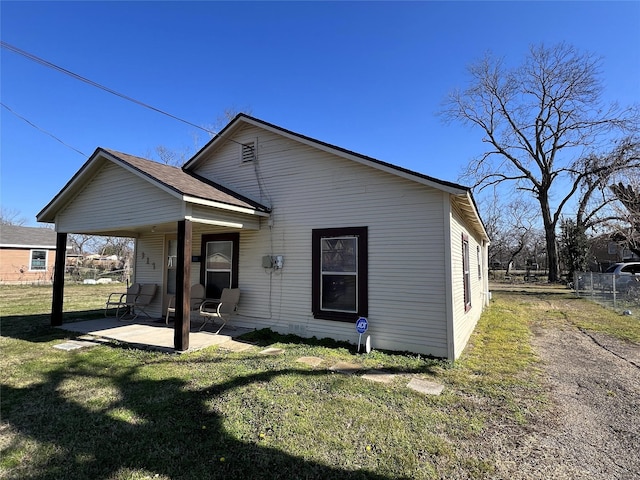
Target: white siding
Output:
[(149, 267), (465, 322), (310, 189), (116, 198)]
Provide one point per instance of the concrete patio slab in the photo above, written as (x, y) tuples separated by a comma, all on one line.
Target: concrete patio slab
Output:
[(146, 334)]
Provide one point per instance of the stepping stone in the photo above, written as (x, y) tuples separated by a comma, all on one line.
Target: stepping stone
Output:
[(380, 376), (73, 345), (311, 361), (346, 367), (234, 346), (425, 386), (272, 351)]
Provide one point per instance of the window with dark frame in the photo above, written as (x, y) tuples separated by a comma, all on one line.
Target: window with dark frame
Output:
[(220, 260), (38, 260), (466, 272), (339, 269)]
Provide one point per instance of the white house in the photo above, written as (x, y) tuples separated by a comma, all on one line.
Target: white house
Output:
[(314, 235)]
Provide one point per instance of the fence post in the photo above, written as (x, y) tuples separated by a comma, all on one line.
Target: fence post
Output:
[(613, 283)]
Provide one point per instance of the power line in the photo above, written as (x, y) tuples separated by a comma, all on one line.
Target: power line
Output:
[(41, 61), (60, 69), (42, 130)]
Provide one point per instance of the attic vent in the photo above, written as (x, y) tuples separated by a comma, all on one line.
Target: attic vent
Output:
[(248, 152)]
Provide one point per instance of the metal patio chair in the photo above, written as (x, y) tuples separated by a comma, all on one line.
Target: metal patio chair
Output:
[(222, 309), (141, 301), (120, 300)]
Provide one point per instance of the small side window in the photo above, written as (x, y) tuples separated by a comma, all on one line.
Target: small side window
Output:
[(466, 273), (38, 260)]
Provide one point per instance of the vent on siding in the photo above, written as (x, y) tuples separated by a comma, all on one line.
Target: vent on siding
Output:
[(248, 152)]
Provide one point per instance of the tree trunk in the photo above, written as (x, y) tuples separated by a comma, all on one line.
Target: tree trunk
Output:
[(552, 254), (550, 236)]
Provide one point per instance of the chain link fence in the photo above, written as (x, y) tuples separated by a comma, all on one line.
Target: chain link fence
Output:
[(619, 292)]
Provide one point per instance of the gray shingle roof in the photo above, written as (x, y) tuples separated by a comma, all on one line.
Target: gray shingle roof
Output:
[(27, 237), (186, 183)]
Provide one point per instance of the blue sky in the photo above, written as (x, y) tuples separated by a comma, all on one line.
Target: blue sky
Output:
[(369, 77)]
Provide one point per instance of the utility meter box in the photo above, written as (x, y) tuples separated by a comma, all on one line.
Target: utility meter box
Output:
[(273, 261)]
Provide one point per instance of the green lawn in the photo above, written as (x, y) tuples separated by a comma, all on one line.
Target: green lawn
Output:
[(112, 412)]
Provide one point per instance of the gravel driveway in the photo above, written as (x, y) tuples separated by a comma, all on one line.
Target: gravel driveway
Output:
[(592, 431)]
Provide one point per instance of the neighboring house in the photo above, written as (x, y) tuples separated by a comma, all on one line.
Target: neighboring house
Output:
[(27, 254), (314, 235)]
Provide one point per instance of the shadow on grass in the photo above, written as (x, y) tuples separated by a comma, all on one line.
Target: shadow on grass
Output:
[(533, 293), (37, 328), (267, 337), (161, 427)]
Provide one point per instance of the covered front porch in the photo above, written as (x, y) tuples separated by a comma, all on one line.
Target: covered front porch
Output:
[(115, 194)]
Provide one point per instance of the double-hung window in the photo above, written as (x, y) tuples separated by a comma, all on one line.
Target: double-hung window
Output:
[(466, 272), (38, 260), (339, 269)]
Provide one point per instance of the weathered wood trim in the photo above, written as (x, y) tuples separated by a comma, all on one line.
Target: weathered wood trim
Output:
[(183, 286), (58, 280)]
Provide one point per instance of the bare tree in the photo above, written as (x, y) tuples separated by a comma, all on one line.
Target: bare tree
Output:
[(81, 243), (178, 158), (539, 120), (225, 117), (513, 233), (171, 157), (11, 216), (598, 201), (625, 224)]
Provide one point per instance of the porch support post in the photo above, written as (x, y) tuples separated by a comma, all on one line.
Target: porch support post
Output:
[(58, 279), (183, 287)]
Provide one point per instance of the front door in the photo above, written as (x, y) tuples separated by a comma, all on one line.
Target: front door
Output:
[(220, 263)]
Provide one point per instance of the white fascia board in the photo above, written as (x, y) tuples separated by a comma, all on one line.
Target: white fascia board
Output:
[(217, 223), (224, 206)]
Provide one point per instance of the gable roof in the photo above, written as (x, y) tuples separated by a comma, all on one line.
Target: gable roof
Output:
[(226, 132), (182, 184), (17, 236), (463, 196)]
